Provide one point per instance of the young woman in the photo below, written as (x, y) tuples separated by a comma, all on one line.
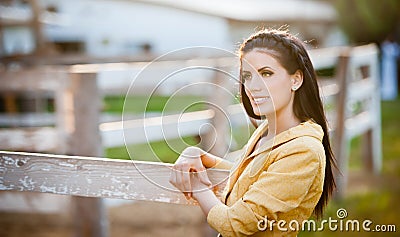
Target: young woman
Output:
[(284, 173)]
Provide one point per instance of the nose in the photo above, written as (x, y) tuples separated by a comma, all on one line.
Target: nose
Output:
[(253, 85)]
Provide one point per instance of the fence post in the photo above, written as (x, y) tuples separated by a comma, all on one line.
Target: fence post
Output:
[(372, 139), (340, 145), (78, 105), (216, 140)]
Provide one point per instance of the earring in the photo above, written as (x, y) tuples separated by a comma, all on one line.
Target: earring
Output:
[(294, 88)]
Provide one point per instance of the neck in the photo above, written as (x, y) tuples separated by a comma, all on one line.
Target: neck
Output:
[(281, 121)]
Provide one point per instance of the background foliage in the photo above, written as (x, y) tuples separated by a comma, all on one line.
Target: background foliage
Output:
[(368, 21)]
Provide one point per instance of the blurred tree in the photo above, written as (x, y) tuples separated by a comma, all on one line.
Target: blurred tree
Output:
[(365, 21)]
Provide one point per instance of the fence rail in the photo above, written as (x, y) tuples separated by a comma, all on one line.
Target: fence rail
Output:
[(94, 177)]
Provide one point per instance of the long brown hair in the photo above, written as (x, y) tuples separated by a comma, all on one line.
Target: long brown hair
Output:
[(292, 55)]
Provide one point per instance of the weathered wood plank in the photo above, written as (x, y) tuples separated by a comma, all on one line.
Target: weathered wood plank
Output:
[(361, 89), (26, 119), (215, 140), (93, 177), (154, 128), (33, 79), (364, 55), (374, 139), (165, 127), (359, 124), (49, 119), (339, 140), (78, 113), (325, 58), (43, 139)]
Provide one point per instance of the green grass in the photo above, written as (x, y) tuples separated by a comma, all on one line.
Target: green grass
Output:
[(163, 151), (138, 104)]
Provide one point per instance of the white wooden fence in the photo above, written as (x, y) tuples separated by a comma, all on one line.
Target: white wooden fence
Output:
[(353, 92), (94, 177)]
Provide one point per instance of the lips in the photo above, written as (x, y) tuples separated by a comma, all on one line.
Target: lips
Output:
[(260, 100)]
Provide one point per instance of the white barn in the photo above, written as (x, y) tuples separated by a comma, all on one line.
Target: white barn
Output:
[(105, 28)]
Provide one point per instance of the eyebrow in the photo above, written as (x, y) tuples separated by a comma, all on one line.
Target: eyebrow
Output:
[(260, 69), (266, 67)]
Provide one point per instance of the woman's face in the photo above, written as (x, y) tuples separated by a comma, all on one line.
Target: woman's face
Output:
[(267, 84)]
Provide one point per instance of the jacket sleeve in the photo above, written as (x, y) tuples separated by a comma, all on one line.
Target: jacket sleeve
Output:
[(228, 161), (280, 188)]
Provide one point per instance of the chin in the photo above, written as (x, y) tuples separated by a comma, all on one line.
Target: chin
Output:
[(258, 113), (263, 110), (263, 113)]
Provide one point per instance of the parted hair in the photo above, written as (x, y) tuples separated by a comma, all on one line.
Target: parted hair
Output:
[(291, 53)]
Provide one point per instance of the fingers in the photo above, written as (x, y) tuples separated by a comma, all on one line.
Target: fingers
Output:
[(189, 161), (190, 155), (185, 179), (172, 178), (204, 177), (202, 173), (180, 178), (201, 170)]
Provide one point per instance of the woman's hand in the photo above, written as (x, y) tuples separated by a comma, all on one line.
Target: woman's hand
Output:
[(189, 183), (189, 161), (190, 177)]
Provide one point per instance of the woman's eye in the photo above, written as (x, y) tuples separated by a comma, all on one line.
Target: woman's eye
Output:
[(266, 74), (246, 77)]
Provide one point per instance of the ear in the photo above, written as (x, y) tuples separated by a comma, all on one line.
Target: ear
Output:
[(297, 80)]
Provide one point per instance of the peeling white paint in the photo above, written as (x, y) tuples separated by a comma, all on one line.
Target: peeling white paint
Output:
[(63, 190), (130, 185), (27, 183), (163, 199), (3, 187), (8, 160), (113, 179), (111, 193), (66, 164), (65, 178), (46, 189)]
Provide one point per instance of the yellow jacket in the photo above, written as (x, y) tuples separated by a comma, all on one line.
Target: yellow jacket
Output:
[(281, 180)]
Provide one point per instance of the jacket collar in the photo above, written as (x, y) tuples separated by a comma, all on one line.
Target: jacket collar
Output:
[(308, 128)]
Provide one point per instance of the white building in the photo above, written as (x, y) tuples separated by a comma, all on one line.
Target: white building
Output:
[(104, 28)]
